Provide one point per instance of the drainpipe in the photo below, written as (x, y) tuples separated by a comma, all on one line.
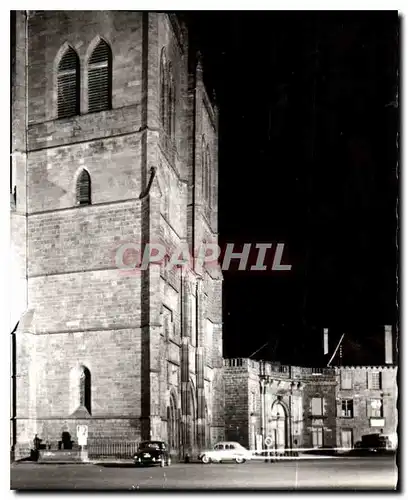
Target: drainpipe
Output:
[(262, 412)]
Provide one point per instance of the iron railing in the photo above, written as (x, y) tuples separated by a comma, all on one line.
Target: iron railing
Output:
[(111, 449)]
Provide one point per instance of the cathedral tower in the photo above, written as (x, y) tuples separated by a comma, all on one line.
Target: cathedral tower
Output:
[(114, 145)]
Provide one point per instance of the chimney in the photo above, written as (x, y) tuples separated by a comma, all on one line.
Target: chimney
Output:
[(326, 341), (388, 344)]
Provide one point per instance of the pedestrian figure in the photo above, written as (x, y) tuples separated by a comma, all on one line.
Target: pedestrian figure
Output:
[(36, 443)]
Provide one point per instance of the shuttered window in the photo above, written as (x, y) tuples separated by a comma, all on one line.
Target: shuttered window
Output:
[(68, 84), (346, 379), (374, 380), (100, 78), (83, 189), (317, 406)]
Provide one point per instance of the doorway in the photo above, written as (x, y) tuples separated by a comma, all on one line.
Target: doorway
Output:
[(346, 438), (278, 427)]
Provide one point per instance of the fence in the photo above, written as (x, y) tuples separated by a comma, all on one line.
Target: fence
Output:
[(111, 449)]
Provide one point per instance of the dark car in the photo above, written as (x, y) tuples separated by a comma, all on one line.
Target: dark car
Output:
[(152, 453)]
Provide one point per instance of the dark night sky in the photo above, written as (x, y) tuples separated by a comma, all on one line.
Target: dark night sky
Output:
[(308, 157)]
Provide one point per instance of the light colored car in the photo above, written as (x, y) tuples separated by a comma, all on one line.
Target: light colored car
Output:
[(224, 451)]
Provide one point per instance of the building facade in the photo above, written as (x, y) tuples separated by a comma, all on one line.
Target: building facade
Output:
[(114, 146), (294, 406), (301, 407), (366, 398)]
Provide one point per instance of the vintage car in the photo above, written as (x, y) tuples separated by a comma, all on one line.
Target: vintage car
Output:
[(152, 453), (226, 451)]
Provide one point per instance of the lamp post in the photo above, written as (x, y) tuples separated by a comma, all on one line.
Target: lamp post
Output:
[(253, 424)]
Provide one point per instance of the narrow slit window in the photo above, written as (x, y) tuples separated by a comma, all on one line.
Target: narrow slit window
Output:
[(85, 389), (83, 188), (163, 92), (100, 78), (68, 84)]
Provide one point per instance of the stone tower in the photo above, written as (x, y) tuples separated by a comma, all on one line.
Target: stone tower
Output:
[(114, 144)]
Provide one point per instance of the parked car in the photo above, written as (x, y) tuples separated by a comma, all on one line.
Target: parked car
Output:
[(225, 451), (374, 443), (152, 453)]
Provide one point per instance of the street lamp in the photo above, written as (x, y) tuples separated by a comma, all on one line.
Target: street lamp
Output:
[(253, 424)]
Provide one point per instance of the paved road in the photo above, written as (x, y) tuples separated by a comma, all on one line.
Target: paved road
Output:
[(336, 473)]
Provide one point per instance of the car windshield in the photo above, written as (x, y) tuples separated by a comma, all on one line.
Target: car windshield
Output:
[(154, 445)]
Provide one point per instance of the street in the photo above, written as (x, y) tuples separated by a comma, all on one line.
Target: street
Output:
[(331, 473)]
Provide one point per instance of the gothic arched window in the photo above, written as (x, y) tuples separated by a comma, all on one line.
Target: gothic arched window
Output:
[(167, 96), (163, 89), (208, 163), (85, 388), (205, 167), (171, 105), (68, 84), (100, 78), (83, 188)]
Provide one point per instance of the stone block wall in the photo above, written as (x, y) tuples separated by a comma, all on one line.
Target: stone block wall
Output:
[(362, 394), (82, 310)]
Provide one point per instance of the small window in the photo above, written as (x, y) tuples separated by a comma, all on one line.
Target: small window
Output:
[(100, 78), (83, 188), (85, 389), (375, 408), (68, 84), (374, 380), (347, 408), (346, 379)]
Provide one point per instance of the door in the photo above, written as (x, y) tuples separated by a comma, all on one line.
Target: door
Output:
[(280, 435), (346, 438), (317, 437)]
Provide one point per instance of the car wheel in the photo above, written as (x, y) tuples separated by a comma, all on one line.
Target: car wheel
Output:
[(239, 460), (205, 459)]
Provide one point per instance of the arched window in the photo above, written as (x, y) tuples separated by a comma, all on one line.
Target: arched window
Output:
[(173, 424), (83, 188), (209, 187), (171, 109), (85, 388), (163, 89), (100, 78), (192, 411), (204, 168), (167, 96), (68, 84)]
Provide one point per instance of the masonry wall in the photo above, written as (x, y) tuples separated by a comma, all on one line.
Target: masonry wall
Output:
[(236, 403), (361, 395), (48, 31), (82, 310), (326, 389)]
